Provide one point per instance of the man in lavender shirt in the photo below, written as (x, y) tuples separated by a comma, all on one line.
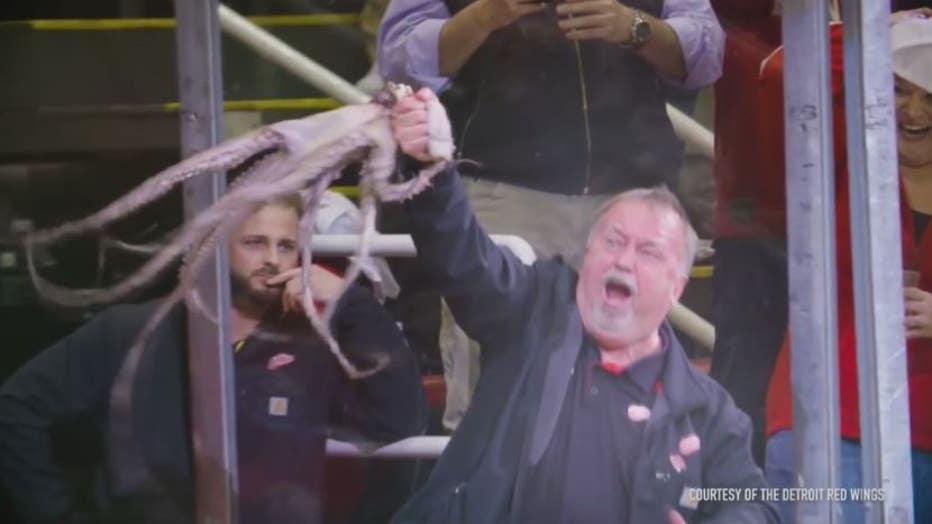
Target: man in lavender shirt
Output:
[(560, 103)]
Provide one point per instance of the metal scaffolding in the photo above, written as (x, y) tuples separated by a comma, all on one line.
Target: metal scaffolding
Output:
[(210, 359), (875, 243), (875, 231), (810, 209)]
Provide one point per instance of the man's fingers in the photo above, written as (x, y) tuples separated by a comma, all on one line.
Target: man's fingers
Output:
[(410, 118), (410, 133), (585, 22), (416, 148), (586, 34), (424, 94), (407, 103), (527, 8), (284, 276), (914, 321), (414, 142), (582, 7)]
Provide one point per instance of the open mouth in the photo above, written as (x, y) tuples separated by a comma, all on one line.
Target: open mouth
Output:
[(617, 291), (913, 132)]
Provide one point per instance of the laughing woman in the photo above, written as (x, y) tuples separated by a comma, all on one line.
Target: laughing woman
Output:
[(912, 63)]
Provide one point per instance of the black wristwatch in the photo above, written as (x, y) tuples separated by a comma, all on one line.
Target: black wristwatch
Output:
[(640, 31)]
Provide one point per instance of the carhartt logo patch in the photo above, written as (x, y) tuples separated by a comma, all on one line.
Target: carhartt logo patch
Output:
[(689, 499), (278, 406)]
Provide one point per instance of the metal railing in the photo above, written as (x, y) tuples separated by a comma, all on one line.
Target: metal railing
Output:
[(287, 57), (427, 447)]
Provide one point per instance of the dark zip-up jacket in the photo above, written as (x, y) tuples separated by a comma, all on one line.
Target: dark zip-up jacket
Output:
[(529, 327), (287, 392), (542, 112)]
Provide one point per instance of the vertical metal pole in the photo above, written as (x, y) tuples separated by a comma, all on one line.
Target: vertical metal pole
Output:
[(876, 252), (210, 360), (810, 186)]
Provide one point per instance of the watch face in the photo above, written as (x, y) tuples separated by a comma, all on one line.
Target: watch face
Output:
[(642, 31)]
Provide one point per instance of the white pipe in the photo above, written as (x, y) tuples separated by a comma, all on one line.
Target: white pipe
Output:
[(278, 52), (403, 246), (692, 325), (410, 448), (692, 132)]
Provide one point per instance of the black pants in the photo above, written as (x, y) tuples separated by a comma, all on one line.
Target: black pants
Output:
[(750, 316)]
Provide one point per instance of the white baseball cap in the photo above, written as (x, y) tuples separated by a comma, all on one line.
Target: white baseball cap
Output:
[(912, 51)]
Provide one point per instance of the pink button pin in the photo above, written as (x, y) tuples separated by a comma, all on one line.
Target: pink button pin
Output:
[(279, 361), (638, 413), (689, 444), (678, 463)]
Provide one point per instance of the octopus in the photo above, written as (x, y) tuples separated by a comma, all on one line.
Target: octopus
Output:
[(304, 155)]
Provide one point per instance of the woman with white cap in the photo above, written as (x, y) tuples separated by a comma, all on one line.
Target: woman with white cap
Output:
[(912, 63), (911, 38)]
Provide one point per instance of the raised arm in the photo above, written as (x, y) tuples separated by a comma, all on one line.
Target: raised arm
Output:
[(487, 287), (67, 382)]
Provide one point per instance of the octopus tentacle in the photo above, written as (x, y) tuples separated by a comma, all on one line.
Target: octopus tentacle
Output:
[(322, 324), (367, 209), (221, 158)]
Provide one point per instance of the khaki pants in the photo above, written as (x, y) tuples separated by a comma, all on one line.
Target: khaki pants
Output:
[(554, 225)]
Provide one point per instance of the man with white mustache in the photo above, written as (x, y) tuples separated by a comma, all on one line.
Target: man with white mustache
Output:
[(587, 409)]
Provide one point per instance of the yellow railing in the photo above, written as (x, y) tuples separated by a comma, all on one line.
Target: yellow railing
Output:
[(122, 24)]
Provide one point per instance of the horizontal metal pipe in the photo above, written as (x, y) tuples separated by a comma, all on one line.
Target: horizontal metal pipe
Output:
[(410, 448), (278, 52)]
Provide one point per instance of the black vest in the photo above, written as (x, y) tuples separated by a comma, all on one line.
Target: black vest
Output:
[(517, 108)]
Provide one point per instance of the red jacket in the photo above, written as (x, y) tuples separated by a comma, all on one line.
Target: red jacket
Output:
[(749, 179), (919, 352)]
